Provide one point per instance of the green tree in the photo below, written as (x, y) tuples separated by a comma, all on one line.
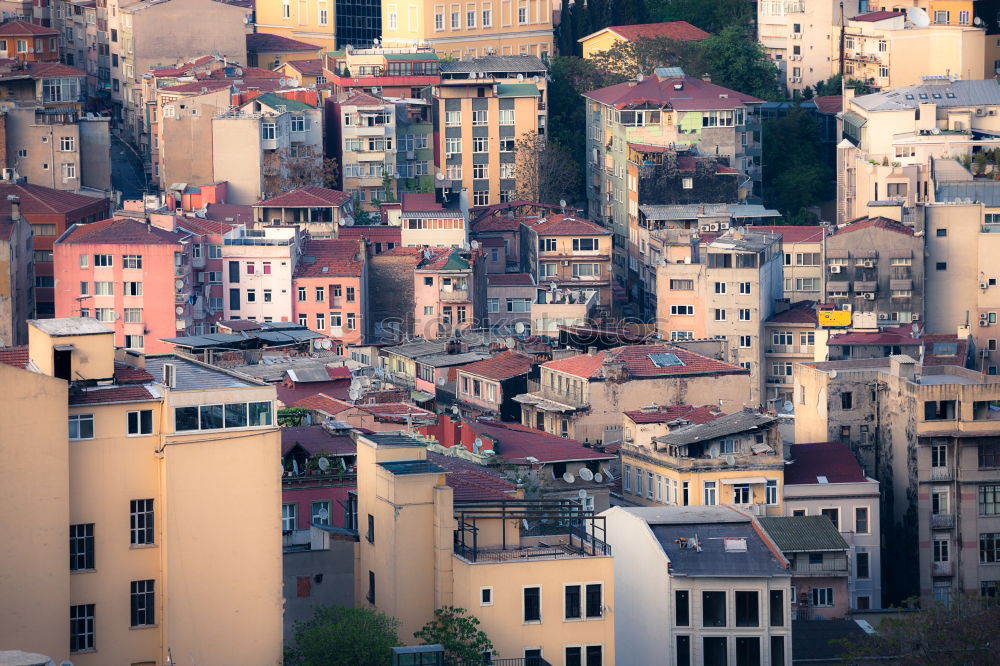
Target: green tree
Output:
[(740, 64), (545, 170), (343, 636), (458, 633), (829, 87), (362, 217), (795, 176), (291, 416), (962, 632), (712, 16)]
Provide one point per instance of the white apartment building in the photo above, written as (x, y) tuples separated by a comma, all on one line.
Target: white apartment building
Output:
[(257, 278)]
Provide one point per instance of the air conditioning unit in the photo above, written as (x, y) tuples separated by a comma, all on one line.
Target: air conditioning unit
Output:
[(846, 307), (869, 296), (714, 227), (835, 269), (984, 316), (882, 315), (983, 322), (448, 156), (983, 285), (565, 263), (915, 317), (868, 263)]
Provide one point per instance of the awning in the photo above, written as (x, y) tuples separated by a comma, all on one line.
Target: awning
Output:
[(866, 286), (837, 254), (900, 284), (743, 479), (838, 286), (866, 254), (420, 396), (543, 404)]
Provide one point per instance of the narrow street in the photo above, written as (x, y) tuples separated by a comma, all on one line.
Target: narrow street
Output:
[(126, 170)]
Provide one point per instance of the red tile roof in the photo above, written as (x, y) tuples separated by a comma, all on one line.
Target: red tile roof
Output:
[(245, 73), (515, 443), (260, 42), (933, 358), (127, 374), (21, 28), (337, 389), (205, 85), (321, 402), (639, 364), (500, 221), (696, 95), (418, 201), (111, 394), (899, 335), (802, 312), (395, 411), (204, 225), (380, 233), (829, 103), (567, 225), (315, 440), (363, 99), (39, 200), (44, 70), (332, 256), (510, 280), (471, 481), (306, 197), (121, 231), (15, 356), (229, 214), (504, 365), (876, 222), (666, 414), (310, 67), (681, 31), (833, 460), (871, 17), (790, 233)]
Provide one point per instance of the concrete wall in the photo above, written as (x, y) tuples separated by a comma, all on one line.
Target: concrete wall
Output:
[(185, 139), (16, 284), (95, 152), (43, 162), (330, 576), (237, 157), (164, 33), (391, 283)]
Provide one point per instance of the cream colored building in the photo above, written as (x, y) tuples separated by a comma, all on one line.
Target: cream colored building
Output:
[(698, 585), (17, 278), (890, 138), (129, 502), (470, 29), (726, 287), (927, 435), (257, 274), (311, 21), (423, 545)]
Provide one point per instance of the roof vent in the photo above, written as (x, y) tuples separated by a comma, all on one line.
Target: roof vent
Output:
[(170, 375), (735, 544), (679, 85)]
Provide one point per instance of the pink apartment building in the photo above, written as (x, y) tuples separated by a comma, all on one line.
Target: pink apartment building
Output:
[(330, 287), (449, 291), (130, 274)]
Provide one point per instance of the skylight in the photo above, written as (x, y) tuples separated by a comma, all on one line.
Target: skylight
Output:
[(665, 360)]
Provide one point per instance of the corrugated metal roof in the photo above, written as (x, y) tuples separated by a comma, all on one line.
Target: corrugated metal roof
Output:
[(720, 427), (986, 192), (941, 93), (796, 534), (688, 212), (192, 376), (511, 63)]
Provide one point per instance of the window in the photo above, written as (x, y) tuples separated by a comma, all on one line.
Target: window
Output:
[(487, 18), (480, 171), (713, 609), (989, 548), (989, 500), (320, 294), (941, 266), (942, 548), (571, 603), (453, 118), (822, 596), (134, 341), (771, 492), (101, 260), (480, 117), (81, 426), (439, 21), (141, 522), (140, 422), (682, 612), (455, 24), (939, 501), (989, 454), (586, 244), (710, 493), (747, 651), (745, 341), (861, 520), (320, 513), (81, 547), (323, 20), (776, 608), (143, 603), (683, 651), (81, 628), (371, 587), (67, 143), (744, 314), (480, 144), (522, 15), (846, 400), (682, 310), (61, 90), (627, 479), (371, 529), (133, 289), (833, 515), (532, 604), (862, 563), (104, 289), (741, 494), (747, 609), (682, 285), (486, 596)]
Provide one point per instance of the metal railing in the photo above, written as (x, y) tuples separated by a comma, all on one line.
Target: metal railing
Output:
[(836, 565), (942, 521), (566, 396)]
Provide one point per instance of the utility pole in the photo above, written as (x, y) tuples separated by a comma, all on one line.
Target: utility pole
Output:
[(843, 32)]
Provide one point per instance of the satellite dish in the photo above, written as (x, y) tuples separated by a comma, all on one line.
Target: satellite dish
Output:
[(342, 222), (833, 374), (519, 328), (179, 283), (454, 410), (323, 514), (477, 445), (510, 342), (562, 203), (118, 315), (599, 477), (977, 21), (179, 309), (788, 406), (439, 176), (474, 244), (586, 475), (918, 17), (915, 327), (713, 452), (324, 464), (526, 524), (730, 459), (520, 77), (582, 494), (353, 394), (326, 344), (441, 381), (568, 478)]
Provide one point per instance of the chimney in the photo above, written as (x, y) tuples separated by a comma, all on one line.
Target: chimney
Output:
[(591, 351), (15, 207), (706, 77)]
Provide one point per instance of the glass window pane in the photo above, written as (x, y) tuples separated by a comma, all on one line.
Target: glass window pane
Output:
[(211, 417), (236, 415), (260, 413), (185, 418)]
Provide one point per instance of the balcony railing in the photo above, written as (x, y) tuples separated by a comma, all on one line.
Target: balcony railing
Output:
[(941, 569), (453, 295), (942, 521), (565, 396), (941, 474), (832, 565)]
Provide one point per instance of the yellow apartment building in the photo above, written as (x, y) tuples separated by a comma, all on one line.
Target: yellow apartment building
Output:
[(697, 456), (571, 253), (606, 38), (144, 459), (470, 29), (309, 21), (538, 592), (483, 107)]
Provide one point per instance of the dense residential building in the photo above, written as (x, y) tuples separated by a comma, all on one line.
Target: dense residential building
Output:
[(487, 387), (802, 247), (365, 146), (789, 338), (50, 213), (583, 396), (272, 51), (29, 42), (431, 365), (671, 109), (824, 479), (148, 567), (892, 136), (819, 563), (693, 456), (257, 278), (468, 31), (567, 252), (926, 434), (425, 222), (304, 73), (398, 73), (698, 585), (483, 108), (509, 298), (607, 38), (320, 211), (875, 265), (723, 286), (449, 291), (330, 284), (17, 278), (132, 275), (544, 597)]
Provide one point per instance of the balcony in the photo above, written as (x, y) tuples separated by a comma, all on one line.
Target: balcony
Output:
[(941, 474), (374, 130), (942, 521), (834, 565), (942, 569), (454, 295), (779, 379), (370, 156)]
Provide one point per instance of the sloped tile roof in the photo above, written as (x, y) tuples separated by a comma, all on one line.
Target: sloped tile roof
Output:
[(332, 256), (111, 394), (678, 30), (39, 200), (516, 443), (829, 103), (471, 481), (933, 354), (15, 356), (20, 28), (310, 67), (874, 222), (510, 280), (567, 225), (43, 70), (395, 411), (802, 312), (898, 335), (696, 94), (321, 402), (790, 233), (793, 534), (260, 42), (127, 374), (639, 364), (363, 99), (121, 231), (666, 414), (314, 439), (504, 365), (832, 460), (871, 17), (305, 197)]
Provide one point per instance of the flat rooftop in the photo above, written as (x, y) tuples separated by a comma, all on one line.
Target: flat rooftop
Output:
[(70, 326), (193, 376), (412, 467), (398, 438)]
